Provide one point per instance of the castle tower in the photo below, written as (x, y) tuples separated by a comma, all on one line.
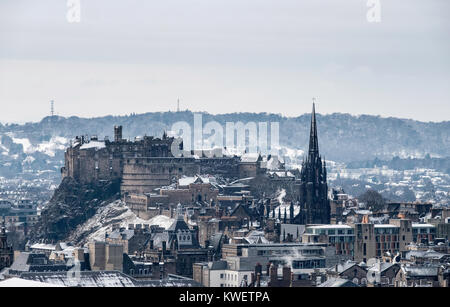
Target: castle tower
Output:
[(313, 196), (117, 133)]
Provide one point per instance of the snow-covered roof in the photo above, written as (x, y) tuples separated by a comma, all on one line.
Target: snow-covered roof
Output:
[(93, 144), (417, 225), (105, 279), (331, 226), (282, 173), (385, 226), (24, 283), (273, 163), (256, 237), (43, 246), (250, 157), (184, 181), (338, 282)]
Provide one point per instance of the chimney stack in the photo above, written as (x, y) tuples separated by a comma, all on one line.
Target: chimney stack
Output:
[(286, 273), (163, 247), (273, 273)]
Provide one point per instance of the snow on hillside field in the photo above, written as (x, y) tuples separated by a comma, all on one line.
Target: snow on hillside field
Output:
[(49, 148), (116, 212)]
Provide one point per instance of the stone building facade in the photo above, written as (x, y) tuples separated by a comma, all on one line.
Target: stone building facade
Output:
[(374, 240), (6, 251), (105, 256), (143, 164), (88, 160)]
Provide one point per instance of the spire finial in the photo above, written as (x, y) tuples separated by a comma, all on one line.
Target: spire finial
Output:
[(313, 142)]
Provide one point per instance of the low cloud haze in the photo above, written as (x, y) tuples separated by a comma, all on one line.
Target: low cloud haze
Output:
[(225, 56)]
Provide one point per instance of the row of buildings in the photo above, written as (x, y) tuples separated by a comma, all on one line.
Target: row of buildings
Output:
[(237, 222)]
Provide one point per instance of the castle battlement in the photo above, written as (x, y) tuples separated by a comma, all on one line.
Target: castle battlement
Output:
[(143, 164)]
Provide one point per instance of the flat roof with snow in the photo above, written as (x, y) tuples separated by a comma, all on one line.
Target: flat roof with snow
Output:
[(337, 226)]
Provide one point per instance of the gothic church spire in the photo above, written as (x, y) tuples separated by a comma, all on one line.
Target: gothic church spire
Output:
[(313, 141)]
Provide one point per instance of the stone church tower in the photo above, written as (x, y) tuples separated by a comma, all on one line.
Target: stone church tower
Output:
[(313, 194)]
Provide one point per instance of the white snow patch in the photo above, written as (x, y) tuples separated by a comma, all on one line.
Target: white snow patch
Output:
[(28, 159), (24, 283), (26, 144), (93, 144), (49, 148), (116, 212)]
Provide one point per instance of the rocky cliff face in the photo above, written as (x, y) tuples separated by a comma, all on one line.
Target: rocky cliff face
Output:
[(71, 205)]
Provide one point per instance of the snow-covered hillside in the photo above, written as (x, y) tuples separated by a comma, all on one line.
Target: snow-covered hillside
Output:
[(116, 212)]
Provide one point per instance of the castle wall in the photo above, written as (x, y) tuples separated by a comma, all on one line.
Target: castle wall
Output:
[(144, 164), (143, 175), (202, 192)]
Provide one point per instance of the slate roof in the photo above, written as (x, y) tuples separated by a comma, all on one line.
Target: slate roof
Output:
[(117, 234), (29, 262), (382, 267), (246, 210), (256, 237), (344, 267), (430, 254), (218, 265), (159, 237), (338, 282), (420, 271), (178, 224)]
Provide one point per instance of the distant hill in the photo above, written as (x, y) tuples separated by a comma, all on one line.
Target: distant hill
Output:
[(342, 137)]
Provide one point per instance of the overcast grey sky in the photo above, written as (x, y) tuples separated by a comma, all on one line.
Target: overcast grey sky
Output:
[(225, 56)]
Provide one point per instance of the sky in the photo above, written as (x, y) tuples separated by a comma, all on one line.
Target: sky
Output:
[(222, 56)]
